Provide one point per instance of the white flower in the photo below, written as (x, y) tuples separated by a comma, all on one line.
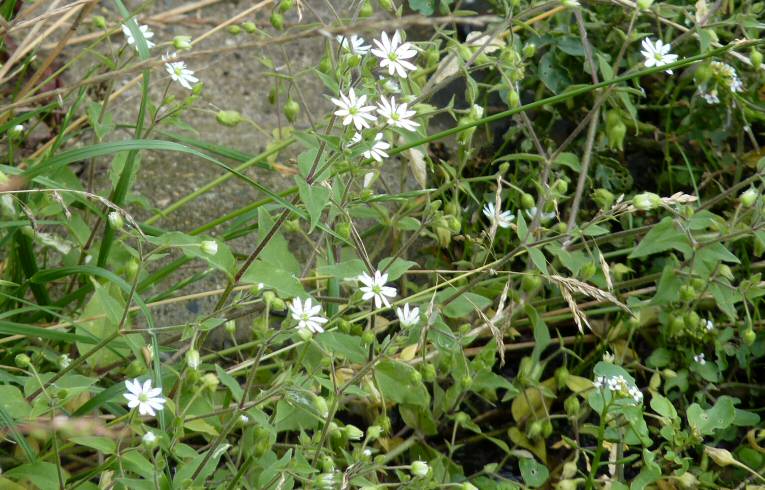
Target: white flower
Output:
[(375, 288), (599, 382), (144, 30), (657, 54), (709, 325), (608, 357), (179, 73), (393, 54), (377, 152), (64, 361), (149, 438), (636, 394), (407, 317), (244, 419), (209, 247), (419, 468), (353, 110), (147, 399), (397, 116), (728, 74), (503, 219), (354, 139), (19, 128), (390, 85), (736, 85), (570, 3), (700, 359), (307, 315), (543, 217), (709, 97), (354, 44)]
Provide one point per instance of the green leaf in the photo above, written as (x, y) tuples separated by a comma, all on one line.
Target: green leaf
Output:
[(42, 474), (663, 406), (13, 402), (400, 383), (343, 270), (110, 310), (569, 160), (315, 199), (425, 7), (663, 237), (463, 305), (230, 382), (190, 246), (284, 282), (99, 443), (539, 260), (397, 269), (720, 416), (551, 73), (534, 474), (343, 345)]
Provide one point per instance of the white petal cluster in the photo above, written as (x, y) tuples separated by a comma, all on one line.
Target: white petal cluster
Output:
[(148, 400), (353, 111), (394, 54), (619, 385), (709, 325), (307, 315), (408, 317), (397, 115), (543, 217), (374, 288), (699, 358), (503, 219), (147, 33), (180, 73), (728, 76), (377, 152), (354, 44), (657, 53)]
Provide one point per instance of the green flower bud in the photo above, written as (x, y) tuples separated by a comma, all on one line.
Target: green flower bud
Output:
[(286, 5), (249, 27), (644, 4), (209, 247), (615, 130), (291, 110), (568, 471), (366, 9), (386, 5), (99, 22), (529, 50), (368, 337), (692, 320), (23, 361), (530, 282), (756, 58), (230, 327), (325, 64), (527, 201), (588, 270), (655, 382), (353, 60), (192, 359), (561, 376), (572, 406), (703, 73), (150, 440), (234, 30), (646, 201), (353, 433), (277, 20), (513, 99), (534, 430), (688, 480), (468, 486), (373, 432), (420, 469), (688, 293), (210, 381), (384, 422), (320, 404), (429, 372), (749, 197), (278, 304), (197, 89), (182, 42), (676, 325), (462, 418), (115, 220), (560, 186), (229, 118), (749, 336)]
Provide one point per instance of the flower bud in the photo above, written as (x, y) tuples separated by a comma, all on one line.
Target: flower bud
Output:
[(749, 197), (420, 468), (688, 480), (353, 433), (688, 292), (368, 337), (468, 486), (572, 406), (373, 432), (249, 27), (527, 201), (615, 130), (320, 404), (16, 131), (99, 22), (646, 201), (23, 361), (560, 186), (366, 9), (534, 430), (749, 336), (513, 99), (644, 4), (209, 247), (291, 110), (529, 50), (286, 5), (722, 457), (230, 327), (210, 381), (756, 58), (326, 481), (568, 471), (229, 118), (278, 304), (234, 30), (561, 376), (277, 20), (149, 440), (588, 270), (182, 42), (655, 382), (387, 5), (197, 89), (192, 359), (115, 220)]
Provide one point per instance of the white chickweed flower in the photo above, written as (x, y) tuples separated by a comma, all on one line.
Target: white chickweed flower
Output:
[(377, 152), (64, 361), (657, 54), (354, 44), (353, 111), (144, 30), (179, 73), (354, 139), (149, 438), (503, 219), (599, 382), (398, 116), (244, 419), (543, 217), (393, 54), (147, 399), (368, 179), (374, 288), (709, 97), (709, 325), (307, 315), (408, 317), (699, 358)]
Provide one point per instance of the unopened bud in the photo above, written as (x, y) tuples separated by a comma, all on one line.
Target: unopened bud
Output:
[(646, 201), (210, 381), (115, 220), (420, 468), (230, 327), (99, 22), (182, 43), (644, 4), (749, 197), (209, 247), (23, 361), (722, 457), (149, 440), (353, 433), (235, 30), (229, 118), (192, 359)]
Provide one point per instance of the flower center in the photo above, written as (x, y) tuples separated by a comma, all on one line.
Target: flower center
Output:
[(178, 71), (377, 289), (658, 57), (392, 56), (143, 398), (395, 116), (353, 110), (304, 317)]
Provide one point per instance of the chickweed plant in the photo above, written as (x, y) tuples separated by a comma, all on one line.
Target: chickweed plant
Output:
[(485, 244)]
